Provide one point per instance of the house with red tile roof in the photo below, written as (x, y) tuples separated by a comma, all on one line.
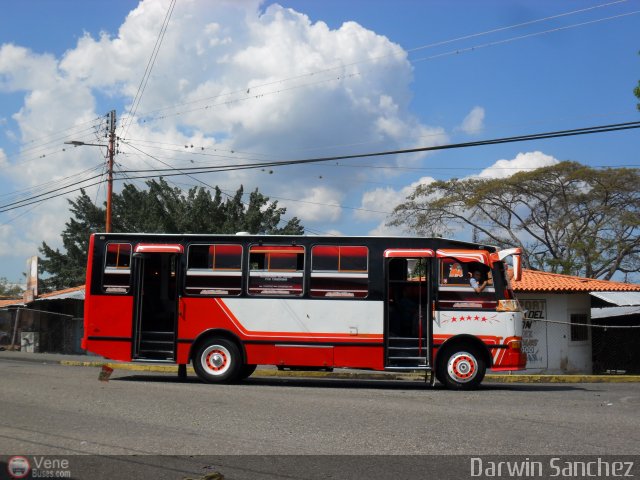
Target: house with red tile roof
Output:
[(558, 333)]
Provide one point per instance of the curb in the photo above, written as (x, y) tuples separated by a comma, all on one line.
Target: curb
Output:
[(501, 378)]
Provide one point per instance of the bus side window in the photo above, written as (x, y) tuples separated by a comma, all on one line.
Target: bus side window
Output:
[(214, 270), (117, 268), (276, 270), (339, 271)]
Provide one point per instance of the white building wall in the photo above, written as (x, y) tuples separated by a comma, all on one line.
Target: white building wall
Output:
[(548, 345)]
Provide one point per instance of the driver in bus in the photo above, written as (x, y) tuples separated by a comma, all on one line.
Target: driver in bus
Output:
[(477, 283)]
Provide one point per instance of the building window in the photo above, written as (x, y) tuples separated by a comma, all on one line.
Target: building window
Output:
[(117, 268), (339, 271), (214, 270), (276, 270), (579, 328)]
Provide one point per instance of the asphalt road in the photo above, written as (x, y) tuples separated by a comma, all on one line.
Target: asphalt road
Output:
[(54, 409)]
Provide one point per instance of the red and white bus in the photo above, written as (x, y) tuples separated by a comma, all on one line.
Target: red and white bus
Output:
[(227, 303)]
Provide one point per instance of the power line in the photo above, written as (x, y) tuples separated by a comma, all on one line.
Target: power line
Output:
[(56, 137), (191, 171), (368, 60), (160, 37), (188, 175), (38, 188), (344, 76), (495, 141), (148, 69), (517, 25), (522, 37), (27, 201), (3, 209)]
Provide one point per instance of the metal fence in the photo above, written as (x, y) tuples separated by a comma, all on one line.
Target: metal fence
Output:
[(616, 348), (36, 331)]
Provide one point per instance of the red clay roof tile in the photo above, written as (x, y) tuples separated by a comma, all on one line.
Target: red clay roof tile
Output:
[(536, 281)]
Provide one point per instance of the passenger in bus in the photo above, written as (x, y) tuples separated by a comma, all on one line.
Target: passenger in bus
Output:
[(477, 283)]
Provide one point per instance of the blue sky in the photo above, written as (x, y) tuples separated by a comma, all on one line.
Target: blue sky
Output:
[(64, 63)]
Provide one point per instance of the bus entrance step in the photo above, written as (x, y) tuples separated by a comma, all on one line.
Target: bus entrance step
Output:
[(156, 354), (157, 335), (152, 343)]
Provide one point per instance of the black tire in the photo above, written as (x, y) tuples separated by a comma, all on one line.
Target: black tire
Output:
[(460, 368), (246, 371), (218, 360)]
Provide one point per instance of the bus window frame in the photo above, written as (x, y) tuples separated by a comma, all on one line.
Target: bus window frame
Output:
[(261, 273), (340, 273), (214, 292), (122, 290)]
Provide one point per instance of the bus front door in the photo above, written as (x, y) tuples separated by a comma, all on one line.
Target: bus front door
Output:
[(408, 335), (155, 306)]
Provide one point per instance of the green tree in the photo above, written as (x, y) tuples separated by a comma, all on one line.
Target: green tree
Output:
[(8, 289), (58, 270), (158, 209), (568, 218)]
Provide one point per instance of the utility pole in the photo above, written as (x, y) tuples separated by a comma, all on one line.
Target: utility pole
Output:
[(111, 153)]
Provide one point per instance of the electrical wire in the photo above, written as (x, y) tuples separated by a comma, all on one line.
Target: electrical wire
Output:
[(192, 177), (368, 60), (191, 172), (27, 201), (58, 136), (160, 37), (42, 186), (147, 73), (522, 37), (495, 141), (344, 76)]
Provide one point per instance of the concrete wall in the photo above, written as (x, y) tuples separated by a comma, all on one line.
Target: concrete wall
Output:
[(549, 346)]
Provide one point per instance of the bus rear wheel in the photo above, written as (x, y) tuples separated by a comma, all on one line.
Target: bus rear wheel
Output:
[(461, 368), (218, 360)]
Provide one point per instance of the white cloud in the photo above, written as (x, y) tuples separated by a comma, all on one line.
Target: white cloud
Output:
[(13, 244), (320, 205), (473, 123), (522, 161), (377, 205), (230, 78), (21, 69), (383, 230)]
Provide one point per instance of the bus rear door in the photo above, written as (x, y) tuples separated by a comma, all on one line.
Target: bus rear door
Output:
[(155, 303)]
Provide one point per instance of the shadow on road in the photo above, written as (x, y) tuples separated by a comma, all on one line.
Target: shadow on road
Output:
[(309, 382)]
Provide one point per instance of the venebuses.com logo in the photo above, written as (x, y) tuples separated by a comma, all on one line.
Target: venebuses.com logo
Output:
[(18, 467)]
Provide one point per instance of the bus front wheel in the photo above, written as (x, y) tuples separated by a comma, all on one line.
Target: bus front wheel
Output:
[(461, 368), (218, 360)]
